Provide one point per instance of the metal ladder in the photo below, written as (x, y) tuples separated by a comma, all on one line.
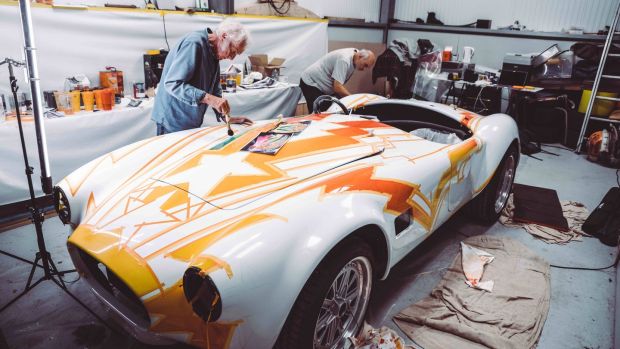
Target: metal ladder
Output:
[(613, 30)]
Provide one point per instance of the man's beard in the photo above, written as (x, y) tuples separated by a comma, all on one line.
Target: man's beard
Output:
[(224, 47)]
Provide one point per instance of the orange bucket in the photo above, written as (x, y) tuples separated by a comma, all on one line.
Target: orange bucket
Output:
[(88, 98), (107, 99), (99, 99)]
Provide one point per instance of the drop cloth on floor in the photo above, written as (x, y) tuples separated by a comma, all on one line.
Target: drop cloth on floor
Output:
[(458, 316)]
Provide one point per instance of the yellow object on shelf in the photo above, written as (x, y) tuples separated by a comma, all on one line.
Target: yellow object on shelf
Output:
[(601, 107), (153, 52), (75, 101), (88, 97)]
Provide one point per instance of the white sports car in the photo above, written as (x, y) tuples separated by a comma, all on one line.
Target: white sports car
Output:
[(273, 237)]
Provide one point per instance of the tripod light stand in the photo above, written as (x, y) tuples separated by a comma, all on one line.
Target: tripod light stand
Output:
[(42, 258)]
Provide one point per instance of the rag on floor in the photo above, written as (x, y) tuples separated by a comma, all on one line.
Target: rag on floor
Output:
[(474, 260), (378, 338), (458, 316), (574, 212)]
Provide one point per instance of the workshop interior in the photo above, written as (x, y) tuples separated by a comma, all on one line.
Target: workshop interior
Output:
[(310, 174)]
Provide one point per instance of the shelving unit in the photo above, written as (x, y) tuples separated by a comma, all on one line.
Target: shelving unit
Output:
[(611, 38)]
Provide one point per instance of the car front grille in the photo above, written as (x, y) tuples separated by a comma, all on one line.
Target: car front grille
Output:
[(115, 290)]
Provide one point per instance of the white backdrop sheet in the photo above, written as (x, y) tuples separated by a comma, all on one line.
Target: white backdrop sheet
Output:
[(72, 141), (71, 41), (260, 104)]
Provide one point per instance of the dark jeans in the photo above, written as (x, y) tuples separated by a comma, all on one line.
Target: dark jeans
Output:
[(161, 130), (311, 93)]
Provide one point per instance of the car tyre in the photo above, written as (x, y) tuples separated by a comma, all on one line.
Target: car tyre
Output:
[(322, 299), (489, 204)]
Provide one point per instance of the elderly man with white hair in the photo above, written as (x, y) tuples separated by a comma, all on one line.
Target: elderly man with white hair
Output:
[(190, 81), (328, 75)]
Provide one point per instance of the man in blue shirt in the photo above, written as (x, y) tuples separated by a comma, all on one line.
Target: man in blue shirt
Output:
[(190, 81)]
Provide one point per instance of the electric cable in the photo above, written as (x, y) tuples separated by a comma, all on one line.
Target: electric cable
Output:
[(279, 9), (556, 146), (163, 19), (478, 98), (72, 281), (584, 268), (592, 269)]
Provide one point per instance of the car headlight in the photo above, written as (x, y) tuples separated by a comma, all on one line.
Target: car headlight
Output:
[(202, 294), (61, 204)]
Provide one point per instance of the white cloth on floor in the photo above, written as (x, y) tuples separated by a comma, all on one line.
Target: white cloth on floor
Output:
[(381, 338), (574, 212), (474, 260)]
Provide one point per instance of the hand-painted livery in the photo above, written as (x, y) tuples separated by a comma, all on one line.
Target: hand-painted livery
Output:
[(258, 224)]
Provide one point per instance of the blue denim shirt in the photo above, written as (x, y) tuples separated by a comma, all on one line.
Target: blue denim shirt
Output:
[(191, 70)]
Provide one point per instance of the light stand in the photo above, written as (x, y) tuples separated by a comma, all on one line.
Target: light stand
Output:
[(35, 93), (50, 272)]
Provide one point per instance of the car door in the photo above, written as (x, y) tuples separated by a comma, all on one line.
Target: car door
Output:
[(421, 167)]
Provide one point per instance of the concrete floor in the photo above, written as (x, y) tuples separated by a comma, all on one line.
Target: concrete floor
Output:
[(582, 308)]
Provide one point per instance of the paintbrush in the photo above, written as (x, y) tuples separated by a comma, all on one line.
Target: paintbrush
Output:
[(227, 119)]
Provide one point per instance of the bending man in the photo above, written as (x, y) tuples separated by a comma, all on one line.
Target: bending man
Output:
[(190, 81), (328, 75)]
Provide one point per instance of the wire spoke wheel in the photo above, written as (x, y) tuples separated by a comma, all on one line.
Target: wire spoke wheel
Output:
[(506, 183), (344, 305)]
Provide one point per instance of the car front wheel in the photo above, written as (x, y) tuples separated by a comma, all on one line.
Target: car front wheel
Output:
[(333, 302)]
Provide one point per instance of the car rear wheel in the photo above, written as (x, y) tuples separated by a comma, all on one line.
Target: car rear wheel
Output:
[(488, 205), (332, 304)]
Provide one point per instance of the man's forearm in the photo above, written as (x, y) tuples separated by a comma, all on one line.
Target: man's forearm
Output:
[(340, 90), (209, 99), (219, 104)]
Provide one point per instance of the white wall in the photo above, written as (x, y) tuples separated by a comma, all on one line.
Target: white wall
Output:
[(71, 42), (355, 34), (366, 9), (137, 3), (540, 15)]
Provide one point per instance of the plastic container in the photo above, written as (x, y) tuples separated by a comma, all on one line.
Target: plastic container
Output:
[(75, 101), (99, 99), (107, 99), (89, 98), (601, 107), (231, 85), (63, 101)]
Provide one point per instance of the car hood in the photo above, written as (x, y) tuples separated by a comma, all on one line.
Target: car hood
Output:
[(225, 176), (198, 187)]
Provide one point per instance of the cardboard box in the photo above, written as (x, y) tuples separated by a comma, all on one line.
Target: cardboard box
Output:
[(261, 64)]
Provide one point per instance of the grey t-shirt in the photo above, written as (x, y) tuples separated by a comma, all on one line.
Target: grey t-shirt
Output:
[(336, 65)]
